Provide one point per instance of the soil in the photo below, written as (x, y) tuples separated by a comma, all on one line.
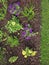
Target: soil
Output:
[(34, 43)]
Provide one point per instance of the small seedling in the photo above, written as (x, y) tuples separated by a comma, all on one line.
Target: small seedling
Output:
[(28, 12), (13, 59), (28, 52)]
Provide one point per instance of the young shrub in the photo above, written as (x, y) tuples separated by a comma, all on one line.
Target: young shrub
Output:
[(13, 59)]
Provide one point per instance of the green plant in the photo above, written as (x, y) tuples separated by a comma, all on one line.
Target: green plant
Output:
[(13, 59), (3, 9), (1, 35), (28, 12), (13, 25), (28, 52), (12, 41)]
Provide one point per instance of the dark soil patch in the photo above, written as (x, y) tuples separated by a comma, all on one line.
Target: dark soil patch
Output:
[(34, 43)]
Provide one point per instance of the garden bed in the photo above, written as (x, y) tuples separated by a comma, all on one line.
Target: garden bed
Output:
[(26, 42)]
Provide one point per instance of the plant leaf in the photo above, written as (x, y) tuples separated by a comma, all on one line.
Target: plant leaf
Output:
[(13, 59)]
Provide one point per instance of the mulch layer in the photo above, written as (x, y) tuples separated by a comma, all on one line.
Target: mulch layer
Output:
[(34, 43)]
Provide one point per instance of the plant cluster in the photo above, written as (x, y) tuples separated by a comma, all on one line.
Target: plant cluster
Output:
[(28, 52), (12, 26)]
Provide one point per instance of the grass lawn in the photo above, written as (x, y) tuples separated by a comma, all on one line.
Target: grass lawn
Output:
[(45, 33)]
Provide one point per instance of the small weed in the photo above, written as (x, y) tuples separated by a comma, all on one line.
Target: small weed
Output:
[(28, 12), (13, 59)]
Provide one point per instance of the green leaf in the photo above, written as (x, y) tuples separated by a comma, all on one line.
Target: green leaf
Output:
[(12, 41), (13, 59)]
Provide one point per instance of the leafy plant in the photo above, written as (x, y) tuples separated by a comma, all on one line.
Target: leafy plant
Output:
[(3, 9), (28, 52), (12, 41), (13, 59), (13, 25), (28, 12)]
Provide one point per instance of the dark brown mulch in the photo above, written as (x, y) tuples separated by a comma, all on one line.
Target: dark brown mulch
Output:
[(34, 43)]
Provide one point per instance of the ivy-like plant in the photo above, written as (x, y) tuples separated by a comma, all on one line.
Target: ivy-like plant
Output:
[(28, 12), (13, 25), (28, 52), (13, 59)]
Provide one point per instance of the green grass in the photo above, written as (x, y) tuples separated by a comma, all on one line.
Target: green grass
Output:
[(45, 33)]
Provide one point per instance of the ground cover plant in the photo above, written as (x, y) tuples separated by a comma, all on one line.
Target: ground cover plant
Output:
[(19, 33)]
